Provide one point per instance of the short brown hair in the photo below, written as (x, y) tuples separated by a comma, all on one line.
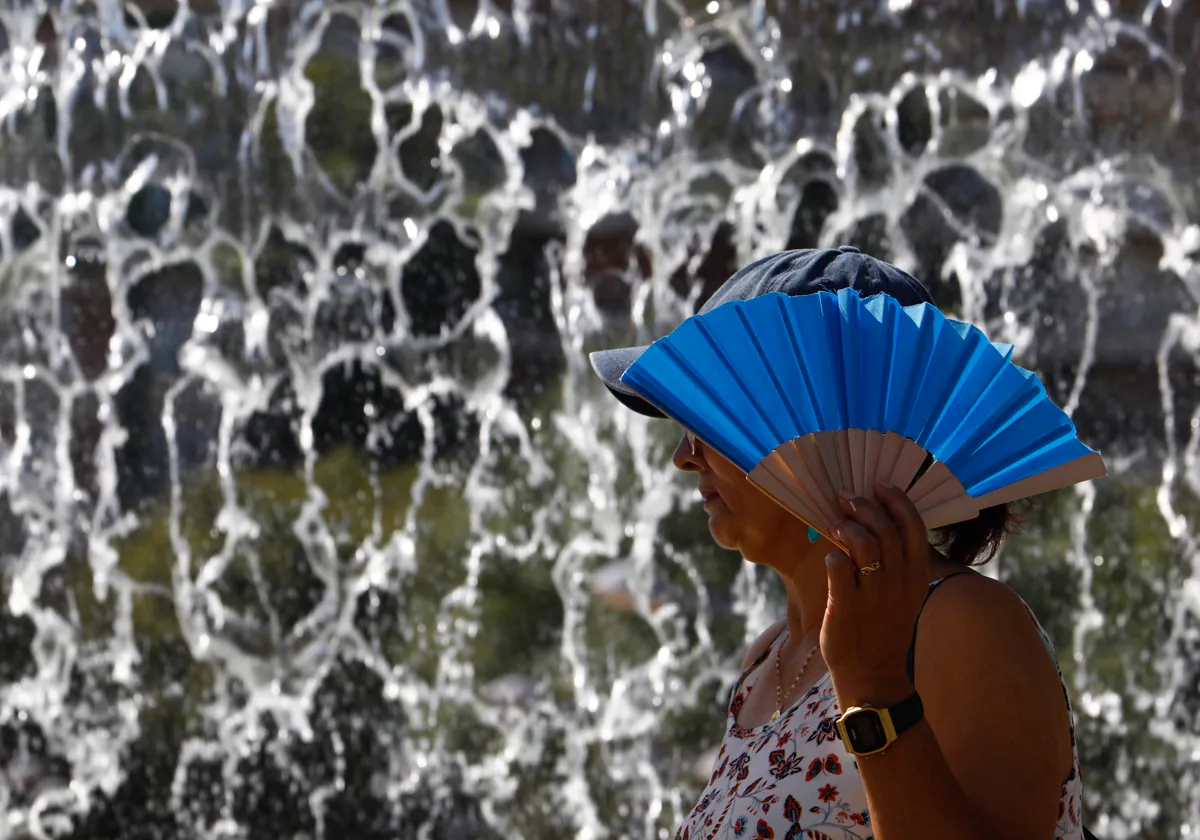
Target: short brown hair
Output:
[(974, 542)]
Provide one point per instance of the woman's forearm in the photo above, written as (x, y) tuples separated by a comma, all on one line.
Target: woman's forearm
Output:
[(912, 793)]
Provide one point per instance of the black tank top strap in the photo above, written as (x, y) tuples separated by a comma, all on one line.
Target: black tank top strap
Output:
[(912, 648)]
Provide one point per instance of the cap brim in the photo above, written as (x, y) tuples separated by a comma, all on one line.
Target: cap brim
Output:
[(610, 366)]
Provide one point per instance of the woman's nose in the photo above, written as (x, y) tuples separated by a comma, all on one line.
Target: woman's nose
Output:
[(688, 455)]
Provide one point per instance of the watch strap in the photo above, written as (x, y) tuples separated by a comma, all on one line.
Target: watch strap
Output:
[(907, 713)]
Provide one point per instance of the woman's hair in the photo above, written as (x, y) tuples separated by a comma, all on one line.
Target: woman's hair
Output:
[(976, 541)]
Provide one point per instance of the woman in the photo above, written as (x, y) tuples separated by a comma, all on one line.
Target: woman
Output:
[(903, 696)]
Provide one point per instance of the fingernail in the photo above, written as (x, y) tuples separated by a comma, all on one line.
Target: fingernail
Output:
[(849, 500), (885, 485), (837, 530)]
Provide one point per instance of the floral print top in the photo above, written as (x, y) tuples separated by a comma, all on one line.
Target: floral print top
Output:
[(793, 779)]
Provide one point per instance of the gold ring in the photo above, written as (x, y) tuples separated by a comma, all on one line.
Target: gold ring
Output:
[(874, 567)]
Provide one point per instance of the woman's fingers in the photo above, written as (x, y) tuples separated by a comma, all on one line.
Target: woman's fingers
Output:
[(878, 522), (861, 544), (842, 580), (905, 518)]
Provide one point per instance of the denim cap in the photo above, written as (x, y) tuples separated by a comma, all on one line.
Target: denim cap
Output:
[(798, 272)]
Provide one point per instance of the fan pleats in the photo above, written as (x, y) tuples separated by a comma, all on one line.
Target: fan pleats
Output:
[(818, 394)]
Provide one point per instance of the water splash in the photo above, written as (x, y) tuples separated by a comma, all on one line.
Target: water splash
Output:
[(314, 519)]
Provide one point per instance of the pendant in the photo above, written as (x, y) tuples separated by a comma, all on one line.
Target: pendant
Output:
[(775, 716)]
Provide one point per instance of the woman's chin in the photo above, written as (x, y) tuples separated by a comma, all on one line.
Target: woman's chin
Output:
[(724, 542), (724, 532)]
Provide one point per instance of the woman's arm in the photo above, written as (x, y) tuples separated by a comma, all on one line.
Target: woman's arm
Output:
[(989, 760)]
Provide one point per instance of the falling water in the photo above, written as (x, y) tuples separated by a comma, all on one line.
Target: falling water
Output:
[(313, 521)]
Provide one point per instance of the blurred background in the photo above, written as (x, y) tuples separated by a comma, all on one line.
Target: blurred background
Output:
[(314, 521)]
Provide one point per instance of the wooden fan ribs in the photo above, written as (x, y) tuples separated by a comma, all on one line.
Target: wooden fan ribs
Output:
[(856, 443), (806, 475), (803, 460)]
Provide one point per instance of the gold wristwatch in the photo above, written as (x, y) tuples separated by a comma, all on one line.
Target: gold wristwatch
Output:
[(866, 730)]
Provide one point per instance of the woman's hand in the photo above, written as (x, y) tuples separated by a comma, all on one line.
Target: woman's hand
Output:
[(871, 615)]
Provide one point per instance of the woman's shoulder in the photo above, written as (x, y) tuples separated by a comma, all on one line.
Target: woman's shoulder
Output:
[(760, 645), (990, 689), (967, 589), (976, 615)]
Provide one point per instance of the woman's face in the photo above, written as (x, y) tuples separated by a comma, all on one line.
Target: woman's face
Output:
[(740, 516)]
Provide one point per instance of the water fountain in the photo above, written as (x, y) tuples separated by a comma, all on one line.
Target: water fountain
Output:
[(313, 521)]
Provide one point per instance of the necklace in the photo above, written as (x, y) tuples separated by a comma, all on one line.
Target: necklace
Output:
[(779, 696)]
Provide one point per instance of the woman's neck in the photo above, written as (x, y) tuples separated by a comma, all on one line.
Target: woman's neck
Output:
[(801, 565), (807, 595)]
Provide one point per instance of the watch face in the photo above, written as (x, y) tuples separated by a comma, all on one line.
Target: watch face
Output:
[(865, 731)]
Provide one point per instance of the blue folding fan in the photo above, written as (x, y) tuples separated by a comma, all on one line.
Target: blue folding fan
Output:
[(811, 395)]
